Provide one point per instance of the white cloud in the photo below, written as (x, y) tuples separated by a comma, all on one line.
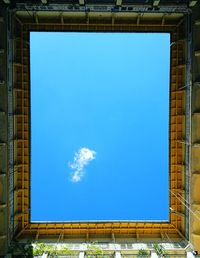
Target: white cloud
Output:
[(81, 159)]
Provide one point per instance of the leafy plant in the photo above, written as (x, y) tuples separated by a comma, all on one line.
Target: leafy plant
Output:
[(65, 250), (94, 250), (159, 250), (52, 250), (39, 248), (23, 249), (143, 253)]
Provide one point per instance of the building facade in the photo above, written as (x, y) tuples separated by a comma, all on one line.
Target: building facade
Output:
[(180, 237)]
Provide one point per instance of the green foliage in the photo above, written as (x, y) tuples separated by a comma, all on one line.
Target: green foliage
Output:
[(52, 250), (159, 250), (65, 251), (93, 249), (143, 253), (22, 249), (39, 249)]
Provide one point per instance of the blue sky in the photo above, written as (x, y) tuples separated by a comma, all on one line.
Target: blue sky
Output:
[(99, 126)]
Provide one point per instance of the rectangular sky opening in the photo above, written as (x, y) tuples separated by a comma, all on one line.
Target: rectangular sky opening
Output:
[(99, 126)]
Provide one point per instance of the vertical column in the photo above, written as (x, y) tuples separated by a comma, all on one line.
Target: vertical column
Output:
[(81, 254), (117, 254), (17, 94), (195, 152), (10, 120), (190, 255), (177, 116), (188, 111), (3, 134)]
